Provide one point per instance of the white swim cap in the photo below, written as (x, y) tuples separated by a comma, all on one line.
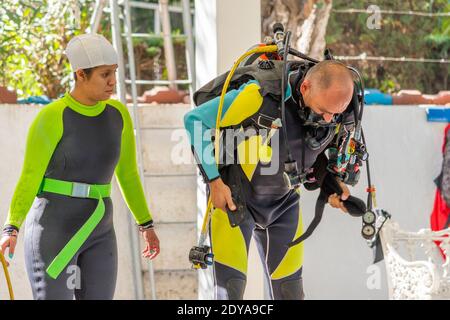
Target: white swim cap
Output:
[(90, 50)]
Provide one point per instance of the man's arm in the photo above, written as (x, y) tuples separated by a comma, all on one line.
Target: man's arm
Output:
[(201, 121), (200, 124)]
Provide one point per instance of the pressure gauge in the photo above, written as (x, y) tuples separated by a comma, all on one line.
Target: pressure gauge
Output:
[(368, 231), (369, 217)]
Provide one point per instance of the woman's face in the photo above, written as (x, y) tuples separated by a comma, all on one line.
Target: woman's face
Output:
[(101, 82)]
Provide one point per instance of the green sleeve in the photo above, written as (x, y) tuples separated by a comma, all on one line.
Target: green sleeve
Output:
[(127, 173), (43, 137)]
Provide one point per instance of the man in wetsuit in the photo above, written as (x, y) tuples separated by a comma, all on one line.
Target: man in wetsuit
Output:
[(273, 214)]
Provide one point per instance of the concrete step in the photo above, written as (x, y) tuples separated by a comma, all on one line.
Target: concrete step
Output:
[(172, 198), (162, 115), (167, 151), (176, 239), (170, 183), (180, 284)]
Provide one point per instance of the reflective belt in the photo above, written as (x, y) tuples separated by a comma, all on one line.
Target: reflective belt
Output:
[(76, 190)]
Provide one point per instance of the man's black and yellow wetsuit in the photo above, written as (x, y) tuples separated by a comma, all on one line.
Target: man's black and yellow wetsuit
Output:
[(72, 152), (273, 213)]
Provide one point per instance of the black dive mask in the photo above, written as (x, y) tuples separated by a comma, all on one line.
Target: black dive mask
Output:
[(317, 131), (311, 119)]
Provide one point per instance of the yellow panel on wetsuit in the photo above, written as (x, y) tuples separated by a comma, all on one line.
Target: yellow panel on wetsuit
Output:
[(228, 244), (293, 259), (250, 152), (243, 106), (239, 104)]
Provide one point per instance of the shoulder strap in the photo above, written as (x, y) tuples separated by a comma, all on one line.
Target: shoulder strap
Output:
[(269, 79)]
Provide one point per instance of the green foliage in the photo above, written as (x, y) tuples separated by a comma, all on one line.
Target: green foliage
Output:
[(399, 36), (153, 52), (33, 34), (154, 42)]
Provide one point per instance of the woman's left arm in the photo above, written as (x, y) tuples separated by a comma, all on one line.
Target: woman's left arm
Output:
[(127, 176)]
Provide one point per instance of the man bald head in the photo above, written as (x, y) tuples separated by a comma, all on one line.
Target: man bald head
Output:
[(327, 88)]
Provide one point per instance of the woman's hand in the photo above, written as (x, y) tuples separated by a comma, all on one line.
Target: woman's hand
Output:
[(336, 201), (8, 241), (151, 243)]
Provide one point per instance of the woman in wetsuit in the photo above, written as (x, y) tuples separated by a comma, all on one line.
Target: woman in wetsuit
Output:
[(74, 147)]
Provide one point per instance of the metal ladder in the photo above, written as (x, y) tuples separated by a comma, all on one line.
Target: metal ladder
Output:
[(115, 7)]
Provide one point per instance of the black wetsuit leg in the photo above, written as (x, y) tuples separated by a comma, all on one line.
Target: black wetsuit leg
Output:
[(283, 265)]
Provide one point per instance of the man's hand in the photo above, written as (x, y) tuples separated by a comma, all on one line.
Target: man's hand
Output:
[(335, 201), (221, 195), (152, 244), (8, 241)]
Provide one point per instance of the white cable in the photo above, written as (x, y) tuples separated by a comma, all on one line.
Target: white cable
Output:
[(364, 56), (408, 13)]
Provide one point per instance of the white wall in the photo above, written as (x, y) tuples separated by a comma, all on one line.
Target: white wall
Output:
[(224, 29)]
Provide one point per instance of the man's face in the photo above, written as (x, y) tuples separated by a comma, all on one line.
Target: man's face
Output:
[(326, 102), (101, 82)]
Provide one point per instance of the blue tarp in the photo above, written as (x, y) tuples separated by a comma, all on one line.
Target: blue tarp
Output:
[(35, 100), (438, 114)]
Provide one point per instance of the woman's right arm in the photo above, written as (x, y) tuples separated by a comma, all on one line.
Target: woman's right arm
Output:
[(43, 137)]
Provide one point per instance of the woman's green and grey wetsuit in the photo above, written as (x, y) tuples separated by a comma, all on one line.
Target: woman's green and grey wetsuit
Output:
[(72, 143)]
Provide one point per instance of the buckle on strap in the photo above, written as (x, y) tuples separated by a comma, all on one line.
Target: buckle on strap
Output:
[(264, 121), (267, 122), (80, 190)]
